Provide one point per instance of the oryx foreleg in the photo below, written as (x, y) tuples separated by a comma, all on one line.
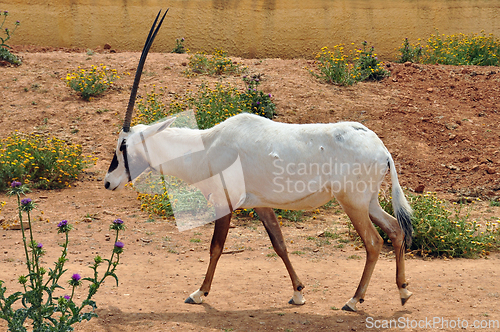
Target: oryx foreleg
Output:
[(218, 239), (274, 231), (390, 226)]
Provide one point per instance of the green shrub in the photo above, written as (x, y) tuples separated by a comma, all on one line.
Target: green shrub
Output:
[(458, 49), (216, 64), (346, 68), (256, 101), (441, 232), (366, 63), (93, 82), (5, 54), (46, 163), (334, 67)]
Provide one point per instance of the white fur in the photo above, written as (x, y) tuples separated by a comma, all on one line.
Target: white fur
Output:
[(271, 153)]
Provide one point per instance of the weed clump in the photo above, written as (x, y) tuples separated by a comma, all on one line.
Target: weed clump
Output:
[(45, 163), (458, 49)]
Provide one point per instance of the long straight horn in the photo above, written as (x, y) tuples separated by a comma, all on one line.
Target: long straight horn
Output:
[(137, 79)]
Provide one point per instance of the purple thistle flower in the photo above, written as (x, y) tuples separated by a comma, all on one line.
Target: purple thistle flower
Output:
[(67, 297), (119, 245), (15, 184), (118, 222), (62, 223), (258, 103), (26, 201), (76, 277), (39, 246), (269, 95)]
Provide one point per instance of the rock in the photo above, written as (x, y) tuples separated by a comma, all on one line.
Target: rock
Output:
[(420, 188), (449, 126), (407, 64), (490, 170), (430, 90), (107, 46), (464, 159)]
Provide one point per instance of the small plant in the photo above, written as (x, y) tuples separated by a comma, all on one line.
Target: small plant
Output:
[(292, 215), (346, 68), (46, 163), (441, 232), (257, 101), (409, 53), (93, 82), (368, 65), (459, 49), (44, 302), (334, 67), (5, 54), (179, 46), (214, 65), (494, 203)]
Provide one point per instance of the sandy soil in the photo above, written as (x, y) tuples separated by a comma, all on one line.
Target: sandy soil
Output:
[(441, 124)]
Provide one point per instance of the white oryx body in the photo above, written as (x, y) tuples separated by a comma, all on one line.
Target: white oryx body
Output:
[(287, 166)]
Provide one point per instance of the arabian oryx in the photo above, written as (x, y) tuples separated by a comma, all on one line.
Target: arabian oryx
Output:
[(284, 166)]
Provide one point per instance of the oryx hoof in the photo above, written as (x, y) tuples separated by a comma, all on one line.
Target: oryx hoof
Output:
[(348, 308), (405, 294), (297, 298), (404, 300), (350, 305), (191, 301), (195, 298)]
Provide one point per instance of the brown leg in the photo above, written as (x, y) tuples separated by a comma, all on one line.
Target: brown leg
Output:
[(373, 243), (390, 226), (274, 231), (218, 239)]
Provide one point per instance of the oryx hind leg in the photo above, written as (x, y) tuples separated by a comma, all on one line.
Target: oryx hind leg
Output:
[(358, 213), (391, 227), (274, 231), (217, 245)]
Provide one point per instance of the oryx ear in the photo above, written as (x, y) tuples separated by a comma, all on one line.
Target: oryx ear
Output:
[(158, 127)]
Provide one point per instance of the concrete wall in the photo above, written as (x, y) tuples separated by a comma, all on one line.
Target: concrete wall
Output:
[(247, 28)]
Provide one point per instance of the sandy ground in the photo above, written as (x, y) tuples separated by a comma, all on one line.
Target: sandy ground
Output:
[(439, 122)]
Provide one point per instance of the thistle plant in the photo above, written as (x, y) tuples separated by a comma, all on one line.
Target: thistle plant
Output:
[(409, 52), (368, 64), (5, 54), (44, 304), (258, 102), (179, 46)]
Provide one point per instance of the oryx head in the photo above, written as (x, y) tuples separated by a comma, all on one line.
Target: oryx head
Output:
[(127, 164)]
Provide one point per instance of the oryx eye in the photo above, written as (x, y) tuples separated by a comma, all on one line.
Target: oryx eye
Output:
[(114, 164), (123, 146)]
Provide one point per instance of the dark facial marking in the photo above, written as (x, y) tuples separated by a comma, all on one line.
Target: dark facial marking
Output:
[(123, 148), (114, 164)]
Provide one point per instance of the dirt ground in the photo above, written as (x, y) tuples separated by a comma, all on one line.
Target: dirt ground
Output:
[(440, 123)]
